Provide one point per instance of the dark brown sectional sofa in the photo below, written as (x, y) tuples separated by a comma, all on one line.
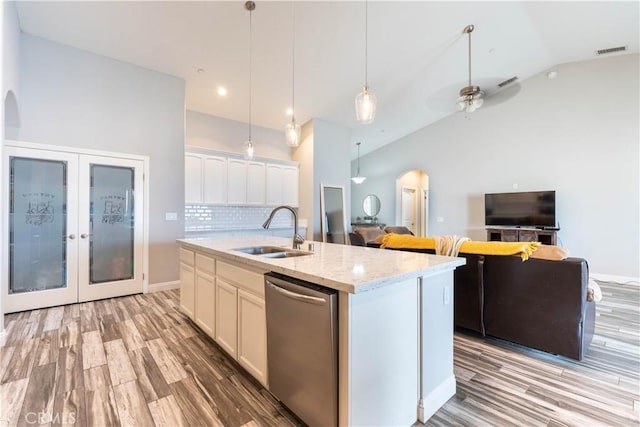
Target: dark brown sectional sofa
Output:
[(537, 303)]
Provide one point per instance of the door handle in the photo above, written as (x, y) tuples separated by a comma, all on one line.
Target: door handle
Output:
[(84, 235), (296, 296), (72, 236)]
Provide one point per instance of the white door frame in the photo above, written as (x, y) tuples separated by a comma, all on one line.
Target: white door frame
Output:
[(424, 212), (74, 150), (95, 291)]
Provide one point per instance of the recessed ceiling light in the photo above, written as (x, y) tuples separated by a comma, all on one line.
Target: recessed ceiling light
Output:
[(289, 112), (200, 70), (222, 91)]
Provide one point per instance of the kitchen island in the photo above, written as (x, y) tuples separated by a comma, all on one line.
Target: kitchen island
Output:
[(395, 318)]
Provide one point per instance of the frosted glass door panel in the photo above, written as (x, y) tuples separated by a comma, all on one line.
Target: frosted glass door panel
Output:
[(111, 245), (39, 197), (37, 224)]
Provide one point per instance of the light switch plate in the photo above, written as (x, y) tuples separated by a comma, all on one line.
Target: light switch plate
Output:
[(170, 216)]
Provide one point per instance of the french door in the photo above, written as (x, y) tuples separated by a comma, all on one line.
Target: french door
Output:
[(74, 225)]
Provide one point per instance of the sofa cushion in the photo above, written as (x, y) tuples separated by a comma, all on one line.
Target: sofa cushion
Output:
[(369, 233)]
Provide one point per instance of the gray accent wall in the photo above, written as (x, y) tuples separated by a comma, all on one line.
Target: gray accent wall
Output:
[(324, 159), (73, 98), (577, 134)]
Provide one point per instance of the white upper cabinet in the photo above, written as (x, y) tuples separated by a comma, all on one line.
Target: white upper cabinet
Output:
[(237, 182), (282, 185), (255, 183), (215, 180), (193, 178), (274, 185), (290, 185)]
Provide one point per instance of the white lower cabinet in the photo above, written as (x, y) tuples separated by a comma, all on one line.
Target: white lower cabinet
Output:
[(252, 335), (227, 302), (205, 294), (227, 317), (187, 282)]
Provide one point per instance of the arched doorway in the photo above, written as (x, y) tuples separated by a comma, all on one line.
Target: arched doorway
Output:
[(412, 201), (11, 116)]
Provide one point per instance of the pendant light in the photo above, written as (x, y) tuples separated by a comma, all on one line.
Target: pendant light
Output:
[(365, 100), (358, 179), (470, 96), (249, 149), (292, 129)]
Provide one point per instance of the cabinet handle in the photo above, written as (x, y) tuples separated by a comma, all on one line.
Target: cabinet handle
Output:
[(72, 236), (84, 235)]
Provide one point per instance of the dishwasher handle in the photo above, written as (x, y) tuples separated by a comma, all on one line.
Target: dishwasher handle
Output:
[(296, 296)]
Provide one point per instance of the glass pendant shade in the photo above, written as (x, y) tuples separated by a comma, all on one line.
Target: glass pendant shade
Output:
[(248, 150), (358, 179), (292, 133), (365, 106)]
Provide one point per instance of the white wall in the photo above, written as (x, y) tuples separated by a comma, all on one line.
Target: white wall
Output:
[(221, 134), (73, 98), (577, 134), (10, 49)]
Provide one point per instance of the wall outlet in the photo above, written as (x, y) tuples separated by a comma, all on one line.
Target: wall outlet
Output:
[(446, 295), (440, 219), (515, 185), (170, 216)]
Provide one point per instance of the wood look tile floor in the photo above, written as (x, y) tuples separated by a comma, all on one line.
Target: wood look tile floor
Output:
[(137, 361)]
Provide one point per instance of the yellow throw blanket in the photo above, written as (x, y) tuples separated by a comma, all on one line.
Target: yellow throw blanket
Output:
[(406, 241)]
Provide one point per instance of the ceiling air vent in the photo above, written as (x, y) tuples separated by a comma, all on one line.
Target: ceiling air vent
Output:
[(611, 50), (508, 81)]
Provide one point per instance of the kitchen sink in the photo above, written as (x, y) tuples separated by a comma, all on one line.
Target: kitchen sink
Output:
[(272, 251)]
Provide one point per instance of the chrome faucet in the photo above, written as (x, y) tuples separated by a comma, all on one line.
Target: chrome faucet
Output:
[(297, 239)]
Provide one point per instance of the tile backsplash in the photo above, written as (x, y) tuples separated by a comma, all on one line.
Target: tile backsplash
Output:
[(204, 217)]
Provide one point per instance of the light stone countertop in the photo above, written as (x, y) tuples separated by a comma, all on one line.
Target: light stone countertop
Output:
[(346, 268)]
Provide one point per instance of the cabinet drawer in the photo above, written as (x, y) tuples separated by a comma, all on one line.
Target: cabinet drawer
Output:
[(187, 257), (206, 264), (241, 277)]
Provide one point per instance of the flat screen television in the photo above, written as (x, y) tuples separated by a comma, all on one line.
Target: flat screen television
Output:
[(525, 209)]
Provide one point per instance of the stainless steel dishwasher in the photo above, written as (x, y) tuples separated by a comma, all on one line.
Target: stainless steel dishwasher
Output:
[(302, 347)]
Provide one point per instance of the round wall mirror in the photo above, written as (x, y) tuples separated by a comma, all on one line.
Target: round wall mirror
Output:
[(371, 205)]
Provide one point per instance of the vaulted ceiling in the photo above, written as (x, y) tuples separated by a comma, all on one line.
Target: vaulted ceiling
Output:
[(417, 58)]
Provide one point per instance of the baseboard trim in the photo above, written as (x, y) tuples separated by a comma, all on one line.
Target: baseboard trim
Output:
[(625, 280), (438, 397), (164, 286)]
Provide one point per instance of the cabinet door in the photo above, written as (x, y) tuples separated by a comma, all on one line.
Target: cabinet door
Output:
[(215, 179), (290, 185), (187, 289), (274, 185), (192, 178), (255, 183), (252, 335), (226, 332), (236, 182), (205, 303)]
